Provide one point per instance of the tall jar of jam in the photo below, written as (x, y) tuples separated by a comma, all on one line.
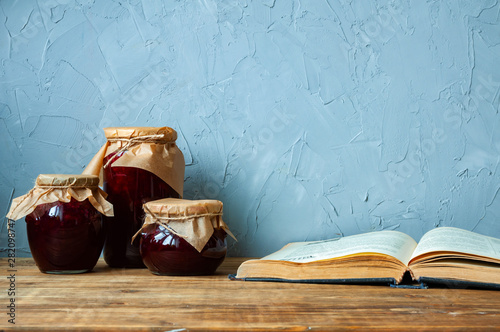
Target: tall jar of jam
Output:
[(183, 237), (139, 164), (64, 222)]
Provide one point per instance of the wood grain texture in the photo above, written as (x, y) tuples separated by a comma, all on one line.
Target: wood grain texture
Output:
[(134, 299)]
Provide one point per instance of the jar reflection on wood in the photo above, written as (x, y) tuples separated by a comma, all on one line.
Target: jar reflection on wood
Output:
[(64, 222), (183, 237)]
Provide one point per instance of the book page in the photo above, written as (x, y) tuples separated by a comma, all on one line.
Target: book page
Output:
[(458, 240), (393, 243)]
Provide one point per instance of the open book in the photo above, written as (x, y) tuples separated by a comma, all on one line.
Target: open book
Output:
[(444, 255)]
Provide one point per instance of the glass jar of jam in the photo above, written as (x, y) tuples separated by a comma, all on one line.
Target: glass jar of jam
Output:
[(140, 164), (64, 222), (183, 237)]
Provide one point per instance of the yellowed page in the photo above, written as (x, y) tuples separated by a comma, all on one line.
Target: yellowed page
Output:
[(458, 240), (393, 243)]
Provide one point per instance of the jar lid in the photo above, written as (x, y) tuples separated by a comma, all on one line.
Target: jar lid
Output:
[(67, 180), (50, 188), (176, 207), (165, 134), (194, 221)]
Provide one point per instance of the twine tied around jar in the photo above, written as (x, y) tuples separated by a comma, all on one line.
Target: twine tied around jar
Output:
[(50, 188), (151, 149), (152, 218), (132, 141)]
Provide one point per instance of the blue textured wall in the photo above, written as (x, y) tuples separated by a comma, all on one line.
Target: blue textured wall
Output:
[(308, 119)]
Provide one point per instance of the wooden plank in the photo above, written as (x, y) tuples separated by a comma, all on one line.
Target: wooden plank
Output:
[(134, 299)]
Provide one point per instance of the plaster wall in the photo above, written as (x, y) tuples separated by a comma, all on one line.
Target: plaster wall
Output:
[(308, 119)]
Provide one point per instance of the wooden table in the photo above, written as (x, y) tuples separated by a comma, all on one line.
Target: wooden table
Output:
[(134, 299)]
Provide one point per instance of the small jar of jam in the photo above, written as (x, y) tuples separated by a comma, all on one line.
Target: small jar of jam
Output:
[(64, 222), (139, 164), (183, 237)]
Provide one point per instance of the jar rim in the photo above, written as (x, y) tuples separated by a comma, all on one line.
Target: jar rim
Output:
[(177, 207), (67, 180), (169, 134)]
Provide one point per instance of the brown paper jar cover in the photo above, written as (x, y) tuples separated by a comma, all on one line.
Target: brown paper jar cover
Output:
[(149, 148), (50, 188), (193, 220)]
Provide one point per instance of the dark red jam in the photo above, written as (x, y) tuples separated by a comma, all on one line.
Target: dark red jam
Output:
[(65, 237), (165, 253), (128, 188)]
